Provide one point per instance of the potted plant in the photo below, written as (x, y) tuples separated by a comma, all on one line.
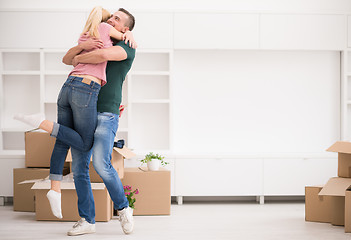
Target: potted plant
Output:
[(129, 192), (153, 161)]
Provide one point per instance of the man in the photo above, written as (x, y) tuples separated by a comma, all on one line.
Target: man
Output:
[(120, 58)]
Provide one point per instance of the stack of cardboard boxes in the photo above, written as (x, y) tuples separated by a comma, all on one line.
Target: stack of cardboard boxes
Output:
[(154, 196), (32, 196), (38, 148), (331, 203)]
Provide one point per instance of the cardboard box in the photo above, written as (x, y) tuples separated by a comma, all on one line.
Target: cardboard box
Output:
[(317, 208), (38, 148), (336, 189), (154, 187), (117, 161), (343, 149), (23, 196), (348, 210), (69, 200)]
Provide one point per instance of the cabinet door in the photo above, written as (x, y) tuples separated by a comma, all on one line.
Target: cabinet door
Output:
[(316, 32), (290, 176), (40, 29), (349, 31), (218, 177), (154, 30), (216, 31)]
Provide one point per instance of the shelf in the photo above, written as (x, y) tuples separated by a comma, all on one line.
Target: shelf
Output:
[(5, 153), (150, 73), (10, 50), (21, 72), (151, 101), (57, 73), (16, 129), (122, 130)]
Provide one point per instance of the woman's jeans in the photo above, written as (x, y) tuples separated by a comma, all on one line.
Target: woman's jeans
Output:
[(102, 149), (76, 121)]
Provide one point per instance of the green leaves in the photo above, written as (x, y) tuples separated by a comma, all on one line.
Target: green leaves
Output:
[(151, 155)]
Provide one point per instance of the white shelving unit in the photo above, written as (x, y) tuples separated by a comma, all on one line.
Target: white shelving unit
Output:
[(32, 78), (346, 95), (149, 102)]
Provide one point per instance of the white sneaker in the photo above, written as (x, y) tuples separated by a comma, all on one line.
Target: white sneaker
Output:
[(126, 219), (81, 227)]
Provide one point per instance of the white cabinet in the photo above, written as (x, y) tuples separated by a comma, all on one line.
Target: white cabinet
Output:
[(349, 31), (346, 95), (154, 30), (290, 176), (216, 31), (324, 32), (218, 177), (38, 29)]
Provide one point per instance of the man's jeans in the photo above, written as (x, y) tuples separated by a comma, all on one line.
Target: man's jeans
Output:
[(102, 149), (76, 121)]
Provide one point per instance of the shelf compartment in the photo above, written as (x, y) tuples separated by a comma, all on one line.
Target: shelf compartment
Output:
[(122, 135), (21, 95), (53, 62), (151, 87), (51, 111), (151, 62), (53, 85), (13, 140), (21, 61), (150, 126)]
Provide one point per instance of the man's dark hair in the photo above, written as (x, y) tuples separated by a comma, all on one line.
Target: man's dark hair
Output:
[(131, 19)]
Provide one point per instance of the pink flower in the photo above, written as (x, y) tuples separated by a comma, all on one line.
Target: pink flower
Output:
[(129, 188), (136, 191), (127, 193)]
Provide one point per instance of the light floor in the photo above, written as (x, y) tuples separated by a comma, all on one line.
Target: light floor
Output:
[(197, 221)]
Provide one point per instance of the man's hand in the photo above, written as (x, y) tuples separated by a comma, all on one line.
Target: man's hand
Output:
[(128, 37)]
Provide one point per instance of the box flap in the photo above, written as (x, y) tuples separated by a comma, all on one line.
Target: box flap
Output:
[(31, 181), (335, 187), (125, 152), (65, 185), (36, 130), (340, 146)]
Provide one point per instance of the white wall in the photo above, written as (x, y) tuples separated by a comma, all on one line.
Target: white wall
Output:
[(256, 101)]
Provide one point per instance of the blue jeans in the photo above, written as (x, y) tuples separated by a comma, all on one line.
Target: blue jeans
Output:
[(76, 121), (102, 149)]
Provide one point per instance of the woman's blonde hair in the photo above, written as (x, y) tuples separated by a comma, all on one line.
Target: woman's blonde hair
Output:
[(96, 16)]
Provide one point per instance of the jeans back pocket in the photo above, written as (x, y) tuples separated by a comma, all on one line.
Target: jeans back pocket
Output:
[(81, 97)]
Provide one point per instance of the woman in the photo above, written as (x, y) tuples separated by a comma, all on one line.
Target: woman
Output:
[(76, 112)]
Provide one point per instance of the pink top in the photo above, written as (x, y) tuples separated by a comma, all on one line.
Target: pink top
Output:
[(96, 70)]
